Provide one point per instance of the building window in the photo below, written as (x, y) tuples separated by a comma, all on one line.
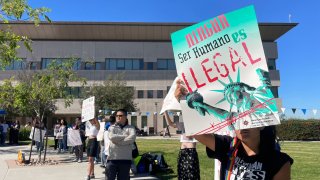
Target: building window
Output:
[(159, 93), (144, 121), (33, 65), (124, 64), (89, 66), (140, 94), (149, 65), (150, 94), (274, 90), (134, 121), (98, 66), (271, 64), (168, 88), (45, 62), (166, 64), (76, 92), (175, 119), (17, 65)]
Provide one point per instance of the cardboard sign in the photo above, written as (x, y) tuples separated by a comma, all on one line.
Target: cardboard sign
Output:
[(222, 63), (74, 138), (88, 109), (170, 102)]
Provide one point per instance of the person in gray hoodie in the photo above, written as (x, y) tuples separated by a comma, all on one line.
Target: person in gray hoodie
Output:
[(122, 136)]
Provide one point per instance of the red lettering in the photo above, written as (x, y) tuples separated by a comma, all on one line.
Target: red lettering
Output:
[(201, 33), (223, 65), (223, 21), (206, 71), (195, 79), (185, 81), (195, 37), (189, 40), (215, 25), (208, 30), (253, 61)]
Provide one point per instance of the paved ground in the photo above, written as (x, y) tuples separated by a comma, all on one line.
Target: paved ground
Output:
[(65, 169)]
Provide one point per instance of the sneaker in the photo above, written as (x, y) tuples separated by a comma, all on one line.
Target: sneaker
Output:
[(87, 178), (92, 176), (79, 161), (75, 160)]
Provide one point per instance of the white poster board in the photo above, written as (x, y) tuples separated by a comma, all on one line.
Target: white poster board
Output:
[(74, 138), (37, 134), (101, 131), (170, 102), (88, 109), (223, 66)]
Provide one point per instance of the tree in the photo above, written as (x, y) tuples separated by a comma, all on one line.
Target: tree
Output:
[(36, 93), (16, 10), (113, 94), (7, 98)]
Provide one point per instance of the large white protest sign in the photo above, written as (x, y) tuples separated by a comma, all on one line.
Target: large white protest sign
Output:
[(37, 134), (170, 102), (223, 66), (101, 131), (74, 138), (88, 109)]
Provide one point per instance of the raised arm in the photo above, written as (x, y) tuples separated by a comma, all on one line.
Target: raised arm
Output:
[(169, 121)]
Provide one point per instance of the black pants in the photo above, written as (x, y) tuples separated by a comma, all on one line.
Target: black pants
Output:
[(119, 169), (188, 164), (55, 143)]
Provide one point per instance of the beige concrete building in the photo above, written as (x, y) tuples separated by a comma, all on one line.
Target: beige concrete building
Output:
[(142, 50)]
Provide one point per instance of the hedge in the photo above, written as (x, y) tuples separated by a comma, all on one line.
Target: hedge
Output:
[(298, 129), (24, 133)]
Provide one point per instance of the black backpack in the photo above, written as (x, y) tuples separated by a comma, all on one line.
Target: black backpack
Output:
[(135, 150)]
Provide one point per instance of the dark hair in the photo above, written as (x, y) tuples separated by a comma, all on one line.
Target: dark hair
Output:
[(268, 141), (112, 119), (123, 111)]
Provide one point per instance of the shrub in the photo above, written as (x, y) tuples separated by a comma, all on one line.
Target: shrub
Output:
[(295, 129), (24, 133)]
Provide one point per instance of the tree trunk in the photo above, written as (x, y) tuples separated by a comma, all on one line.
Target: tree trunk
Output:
[(45, 149), (34, 129)]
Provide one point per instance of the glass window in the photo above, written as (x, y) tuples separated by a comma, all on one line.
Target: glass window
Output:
[(77, 65), (175, 119), (128, 64), (17, 65), (149, 65), (159, 93), (274, 90), (98, 66), (134, 121), (162, 64), (144, 121), (89, 66), (150, 94), (120, 64), (271, 64), (33, 65), (140, 94), (113, 64), (171, 65)]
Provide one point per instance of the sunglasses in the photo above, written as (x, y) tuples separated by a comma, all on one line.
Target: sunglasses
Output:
[(119, 115)]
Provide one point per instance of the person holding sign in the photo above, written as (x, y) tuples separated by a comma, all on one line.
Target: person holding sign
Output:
[(188, 162), (92, 146), (252, 154)]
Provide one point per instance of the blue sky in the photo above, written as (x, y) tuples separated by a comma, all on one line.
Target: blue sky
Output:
[(298, 61)]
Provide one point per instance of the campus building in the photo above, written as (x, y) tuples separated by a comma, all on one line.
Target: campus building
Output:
[(142, 50)]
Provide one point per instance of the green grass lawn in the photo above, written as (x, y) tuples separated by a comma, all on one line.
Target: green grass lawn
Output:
[(306, 157)]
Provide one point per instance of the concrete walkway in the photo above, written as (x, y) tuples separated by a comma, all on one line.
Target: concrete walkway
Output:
[(65, 169)]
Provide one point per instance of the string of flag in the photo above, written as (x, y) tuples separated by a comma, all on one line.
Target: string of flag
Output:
[(303, 110), (283, 110)]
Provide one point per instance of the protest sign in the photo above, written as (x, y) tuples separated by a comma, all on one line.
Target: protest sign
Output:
[(74, 138), (88, 109), (101, 131), (223, 66), (37, 134), (170, 102)]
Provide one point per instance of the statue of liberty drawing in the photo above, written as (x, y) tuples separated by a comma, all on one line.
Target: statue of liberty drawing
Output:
[(241, 98)]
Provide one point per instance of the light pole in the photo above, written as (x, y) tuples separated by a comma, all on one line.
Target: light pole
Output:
[(155, 119)]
